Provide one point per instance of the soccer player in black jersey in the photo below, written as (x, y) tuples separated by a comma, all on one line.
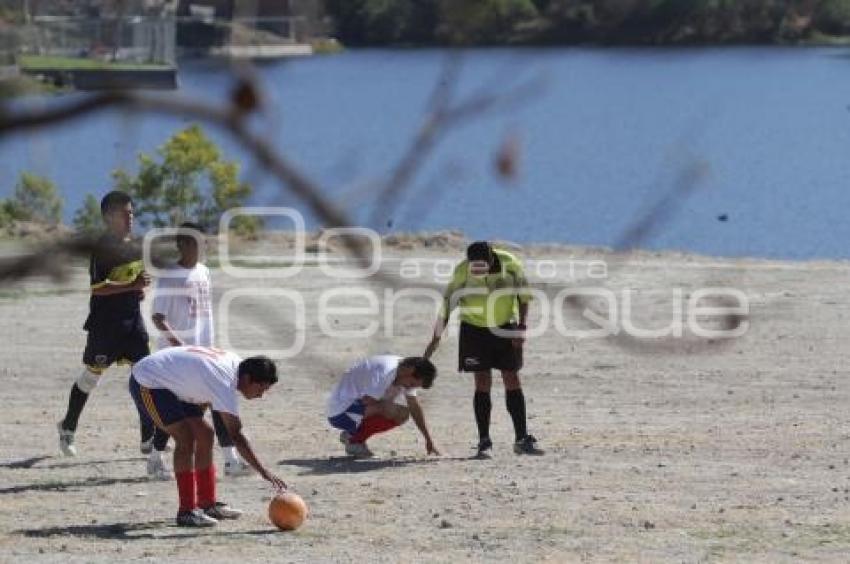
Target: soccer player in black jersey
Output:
[(116, 329)]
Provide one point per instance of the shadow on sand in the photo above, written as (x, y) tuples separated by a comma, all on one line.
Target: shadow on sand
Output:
[(351, 465), (24, 463), (65, 486), (159, 529), (73, 464), (34, 462)]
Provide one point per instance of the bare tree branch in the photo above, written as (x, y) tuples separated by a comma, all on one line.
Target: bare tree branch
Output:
[(443, 115)]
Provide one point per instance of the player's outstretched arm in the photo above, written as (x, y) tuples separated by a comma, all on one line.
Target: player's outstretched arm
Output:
[(234, 427), (161, 323), (418, 417), (439, 326)]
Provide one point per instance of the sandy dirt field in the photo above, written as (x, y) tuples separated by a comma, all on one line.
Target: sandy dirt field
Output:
[(682, 452)]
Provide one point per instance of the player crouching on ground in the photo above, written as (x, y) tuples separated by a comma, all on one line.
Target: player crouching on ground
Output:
[(172, 388), (378, 394)]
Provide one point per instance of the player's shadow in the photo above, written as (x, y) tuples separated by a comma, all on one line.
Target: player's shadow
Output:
[(91, 462), (146, 530), (350, 465), (24, 463), (114, 531), (34, 462), (66, 486)]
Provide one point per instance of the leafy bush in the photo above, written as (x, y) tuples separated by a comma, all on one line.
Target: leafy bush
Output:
[(35, 199), (87, 218), (5, 215), (187, 180)]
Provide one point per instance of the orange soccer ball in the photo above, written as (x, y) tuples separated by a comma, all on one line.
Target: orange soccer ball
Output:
[(287, 511)]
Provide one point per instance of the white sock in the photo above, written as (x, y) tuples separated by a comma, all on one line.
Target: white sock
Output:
[(230, 454), (155, 455)]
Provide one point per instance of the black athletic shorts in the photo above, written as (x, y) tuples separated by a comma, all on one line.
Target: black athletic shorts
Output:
[(124, 342), (480, 349), (160, 407)]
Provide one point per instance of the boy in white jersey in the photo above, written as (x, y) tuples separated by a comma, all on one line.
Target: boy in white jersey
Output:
[(377, 394), (182, 311), (171, 389)]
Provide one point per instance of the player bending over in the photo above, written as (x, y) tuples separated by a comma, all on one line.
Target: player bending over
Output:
[(172, 388)]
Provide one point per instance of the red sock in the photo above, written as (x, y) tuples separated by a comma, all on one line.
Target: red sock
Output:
[(372, 425), (186, 490), (206, 486)]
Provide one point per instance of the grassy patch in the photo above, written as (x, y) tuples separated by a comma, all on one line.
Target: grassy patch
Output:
[(820, 39), (40, 62)]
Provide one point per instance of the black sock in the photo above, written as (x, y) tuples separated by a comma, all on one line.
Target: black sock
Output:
[(160, 439), (482, 405), (224, 440), (76, 403), (515, 402), (146, 431)]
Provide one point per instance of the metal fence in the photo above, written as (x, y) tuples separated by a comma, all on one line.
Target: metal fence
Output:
[(137, 39), (145, 39)]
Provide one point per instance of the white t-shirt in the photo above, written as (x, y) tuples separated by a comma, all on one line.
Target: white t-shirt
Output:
[(371, 377), (193, 374), (184, 297)]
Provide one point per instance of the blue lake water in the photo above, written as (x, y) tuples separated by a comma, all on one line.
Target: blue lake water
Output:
[(604, 136)]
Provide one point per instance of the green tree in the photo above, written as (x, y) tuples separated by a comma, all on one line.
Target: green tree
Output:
[(5, 215), (381, 22), (87, 218), (483, 21), (833, 16), (35, 199), (187, 180)]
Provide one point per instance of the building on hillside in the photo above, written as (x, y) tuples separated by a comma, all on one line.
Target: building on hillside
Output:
[(249, 25)]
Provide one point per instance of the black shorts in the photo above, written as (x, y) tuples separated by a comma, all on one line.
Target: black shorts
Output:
[(480, 349), (122, 343), (160, 407)]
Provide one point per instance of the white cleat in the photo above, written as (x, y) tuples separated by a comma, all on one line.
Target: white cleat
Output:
[(66, 441), (195, 518), (221, 511), (237, 468), (157, 470)]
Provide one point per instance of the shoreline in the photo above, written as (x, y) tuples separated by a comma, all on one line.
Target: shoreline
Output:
[(438, 242)]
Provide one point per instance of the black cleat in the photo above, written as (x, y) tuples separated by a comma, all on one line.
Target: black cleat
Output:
[(527, 445), (485, 448)]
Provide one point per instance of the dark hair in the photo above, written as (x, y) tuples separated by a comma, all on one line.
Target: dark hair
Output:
[(259, 369), (423, 368), (183, 237), (115, 199), (480, 250)]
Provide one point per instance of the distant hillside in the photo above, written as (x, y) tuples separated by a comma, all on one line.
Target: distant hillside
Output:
[(607, 22)]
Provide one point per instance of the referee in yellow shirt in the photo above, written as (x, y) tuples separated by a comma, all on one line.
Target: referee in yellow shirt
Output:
[(492, 292)]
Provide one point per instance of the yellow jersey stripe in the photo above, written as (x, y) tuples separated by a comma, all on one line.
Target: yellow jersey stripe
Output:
[(147, 399)]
